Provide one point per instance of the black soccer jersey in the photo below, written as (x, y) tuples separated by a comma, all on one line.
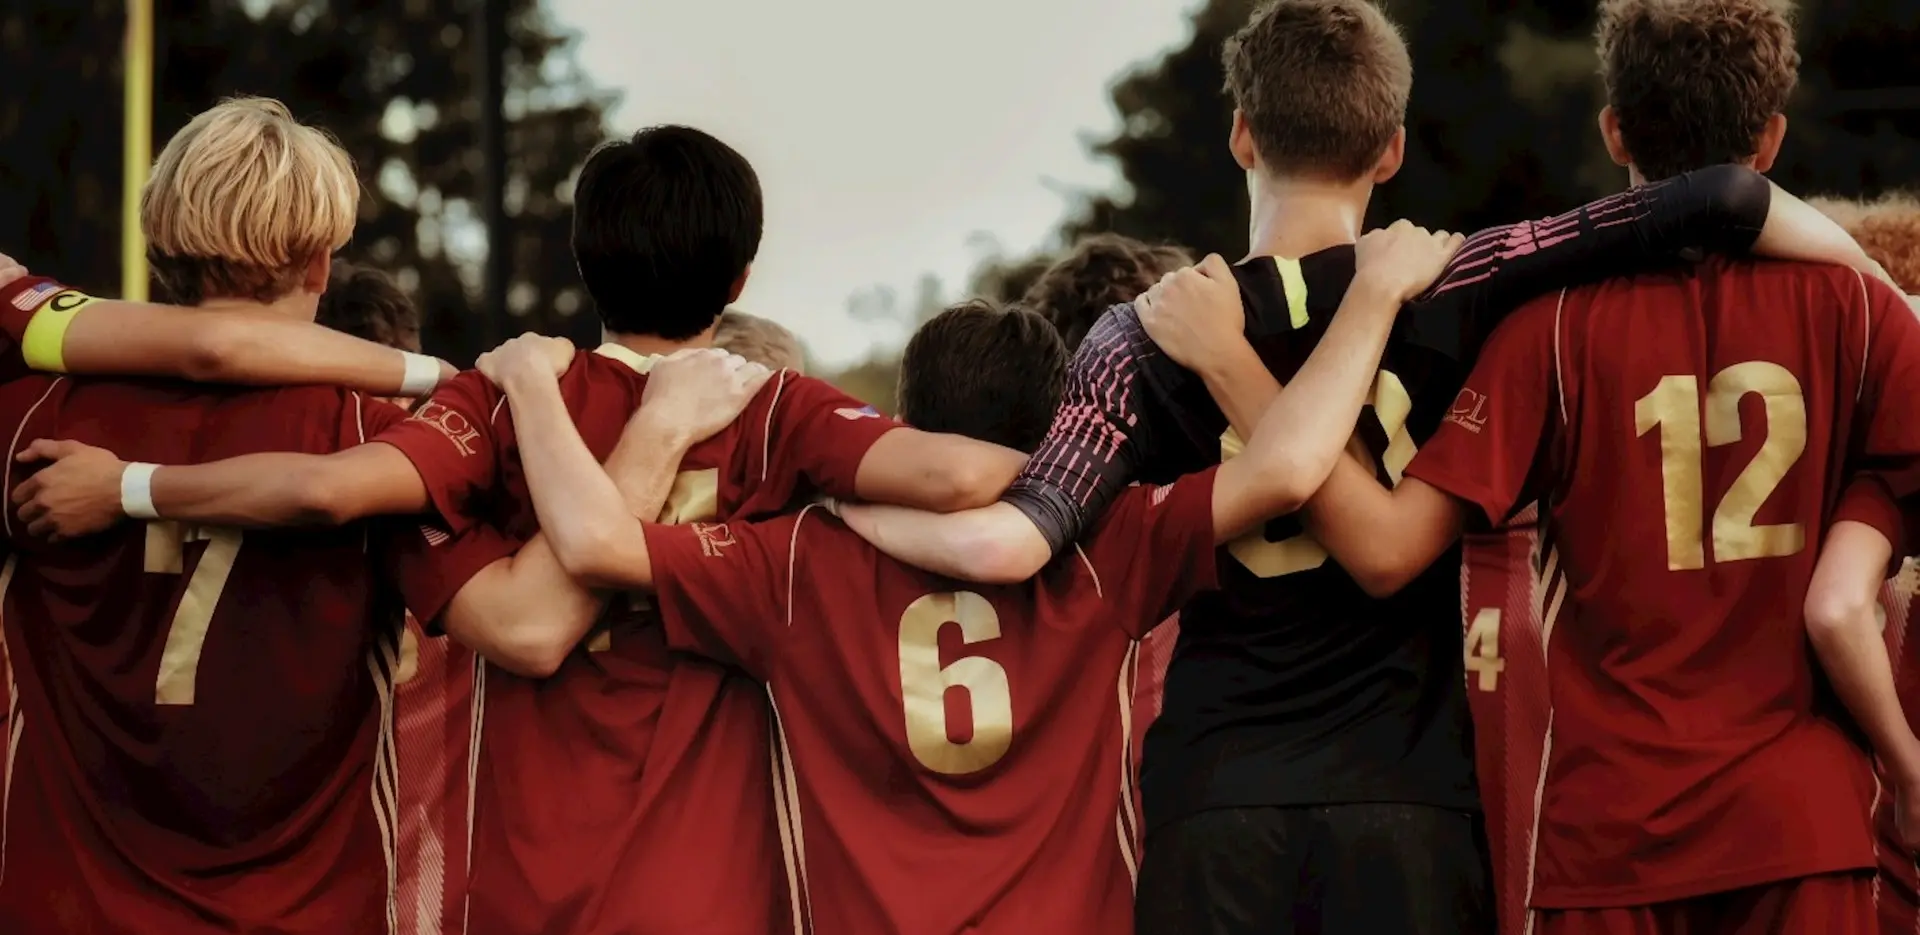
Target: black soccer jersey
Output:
[(1290, 686)]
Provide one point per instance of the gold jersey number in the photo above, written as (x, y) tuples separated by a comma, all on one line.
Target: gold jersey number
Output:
[(924, 684)]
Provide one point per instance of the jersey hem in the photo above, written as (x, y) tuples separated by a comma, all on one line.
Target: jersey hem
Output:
[(1615, 897)]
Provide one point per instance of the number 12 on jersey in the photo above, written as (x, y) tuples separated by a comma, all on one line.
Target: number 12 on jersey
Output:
[(1674, 408)]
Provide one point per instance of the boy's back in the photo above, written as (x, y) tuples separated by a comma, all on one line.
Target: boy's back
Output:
[(630, 790), (1686, 431), (952, 757), (194, 737)]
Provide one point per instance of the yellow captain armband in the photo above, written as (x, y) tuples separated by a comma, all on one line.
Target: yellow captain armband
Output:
[(42, 345)]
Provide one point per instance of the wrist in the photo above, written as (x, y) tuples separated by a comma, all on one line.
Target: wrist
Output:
[(663, 430), (1378, 293), (1228, 363)]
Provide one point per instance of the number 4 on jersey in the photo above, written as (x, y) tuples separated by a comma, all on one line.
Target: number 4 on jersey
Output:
[(1483, 648)]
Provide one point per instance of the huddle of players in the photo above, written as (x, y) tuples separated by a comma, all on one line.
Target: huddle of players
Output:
[(1312, 766)]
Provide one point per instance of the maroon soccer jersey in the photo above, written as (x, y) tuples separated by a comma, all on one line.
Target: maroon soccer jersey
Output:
[(200, 733), (433, 747), (1686, 432), (953, 758), (1507, 693), (630, 792)]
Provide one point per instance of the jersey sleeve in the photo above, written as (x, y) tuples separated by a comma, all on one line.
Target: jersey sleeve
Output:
[(455, 442), (1889, 444), (1092, 451), (817, 432), (722, 588), (1154, 549), (1867, 500), (1489, 448), (35, 312), (428, 565), (1718, 209)]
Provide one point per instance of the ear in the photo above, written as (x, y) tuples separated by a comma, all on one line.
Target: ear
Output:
[(1610, 134), (319, 270), (1240, 142), (1767, 144), (739, 285), (1392, 158)]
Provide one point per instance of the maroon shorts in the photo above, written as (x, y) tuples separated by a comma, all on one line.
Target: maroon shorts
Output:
[(1828, 904)]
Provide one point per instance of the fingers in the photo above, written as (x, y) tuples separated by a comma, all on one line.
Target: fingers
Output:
[(27, 490), (1215, 267), (46, 449)]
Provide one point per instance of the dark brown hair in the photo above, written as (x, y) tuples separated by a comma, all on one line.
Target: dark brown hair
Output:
[(1100, 272), (367, 303), (1323, 85), (986, 372), (1694, 82)]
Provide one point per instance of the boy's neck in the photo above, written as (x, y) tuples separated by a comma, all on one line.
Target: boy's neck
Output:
[(647, 345), (297, 304), (1293, 217)]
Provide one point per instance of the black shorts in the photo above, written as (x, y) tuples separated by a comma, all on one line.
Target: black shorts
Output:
[(1375, 869)]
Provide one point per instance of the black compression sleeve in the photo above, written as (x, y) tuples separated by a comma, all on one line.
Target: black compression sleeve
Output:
[(1092, 452), (1719, 208)]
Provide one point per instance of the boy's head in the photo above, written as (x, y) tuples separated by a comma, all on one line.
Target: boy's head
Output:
[(759, 340), (1888, 229), (367, 303), (1693, 83), (247, 203), (665, 225), (1102, 271), (1319, 91), (985, 372)]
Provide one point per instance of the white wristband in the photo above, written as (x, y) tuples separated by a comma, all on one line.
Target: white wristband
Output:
[(421, 376), (136, 490)]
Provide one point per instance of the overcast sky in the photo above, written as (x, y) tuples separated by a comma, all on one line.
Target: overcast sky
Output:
[(888, 134)]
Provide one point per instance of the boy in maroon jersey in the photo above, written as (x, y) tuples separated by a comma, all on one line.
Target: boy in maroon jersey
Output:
[(1698, 775), (662, 819), (192, 743), (1001, 808)]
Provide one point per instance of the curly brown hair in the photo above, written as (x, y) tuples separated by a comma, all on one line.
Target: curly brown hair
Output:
[(1101, 271), (1887, 228), (1694, 82), (1323, 85), (367, 303)]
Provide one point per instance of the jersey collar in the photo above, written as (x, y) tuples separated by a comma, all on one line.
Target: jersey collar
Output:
[(638, 363)]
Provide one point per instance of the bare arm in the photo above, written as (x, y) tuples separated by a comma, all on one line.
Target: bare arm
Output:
[(221, 346), (80, 492), (526, 613), (1796, 230), (1300, 437), (1383, 538), (993, 544), (935, 471), (1844, 626)]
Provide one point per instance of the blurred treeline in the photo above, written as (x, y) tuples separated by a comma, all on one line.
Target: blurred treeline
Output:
[(1501, 127)]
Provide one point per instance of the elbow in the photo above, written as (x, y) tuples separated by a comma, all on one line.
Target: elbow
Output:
[(1833, 617), (529, 661), (1288, 483), (965, 483), (1383, 581), (320, 496), (214, 352), (590, 554)]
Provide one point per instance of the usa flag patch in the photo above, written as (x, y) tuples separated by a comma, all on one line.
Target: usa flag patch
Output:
[(852, 414), (435, 535), (29, 300)]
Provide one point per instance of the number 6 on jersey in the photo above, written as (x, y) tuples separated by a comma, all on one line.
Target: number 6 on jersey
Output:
[(924, 684)]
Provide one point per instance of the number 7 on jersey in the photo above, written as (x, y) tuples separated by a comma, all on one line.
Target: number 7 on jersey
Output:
[(187, 633)]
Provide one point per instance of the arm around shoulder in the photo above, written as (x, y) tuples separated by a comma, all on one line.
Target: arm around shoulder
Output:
[(935, 471)]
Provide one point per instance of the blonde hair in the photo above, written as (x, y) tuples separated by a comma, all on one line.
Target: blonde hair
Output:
[(1887, 229), (242, 199), (759, 340)]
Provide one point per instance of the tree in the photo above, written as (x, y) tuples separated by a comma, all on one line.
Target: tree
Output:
[(393, 81), (1501, 121)]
